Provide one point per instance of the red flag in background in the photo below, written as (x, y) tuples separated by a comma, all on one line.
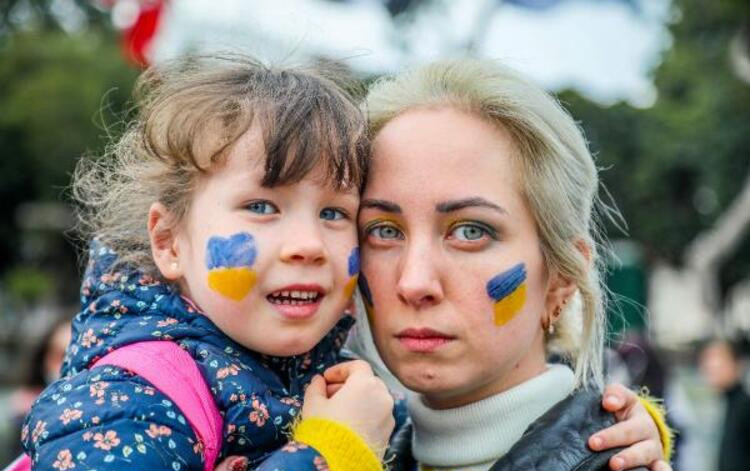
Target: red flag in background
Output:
[(138, 37)]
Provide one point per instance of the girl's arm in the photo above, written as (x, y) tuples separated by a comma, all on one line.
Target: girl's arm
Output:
[(107, 419), (641, 427)]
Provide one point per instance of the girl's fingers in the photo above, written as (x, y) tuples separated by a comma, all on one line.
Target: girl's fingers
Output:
[(332, 388), (661, 465), (625, 433), (641, 454), (232, 463), (339, 373), (618, 399), (316, 390)]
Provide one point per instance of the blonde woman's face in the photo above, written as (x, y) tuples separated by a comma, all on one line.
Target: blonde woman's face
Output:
[(451, 257)]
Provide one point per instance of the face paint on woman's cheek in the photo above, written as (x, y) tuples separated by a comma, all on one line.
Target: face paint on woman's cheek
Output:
[(364, 288), (508, 291), (353, 273), (228, 260)]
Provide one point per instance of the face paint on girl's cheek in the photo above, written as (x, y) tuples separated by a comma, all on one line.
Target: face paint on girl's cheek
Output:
[(229, 260), (353, 273), (364, 288), (508, 290)]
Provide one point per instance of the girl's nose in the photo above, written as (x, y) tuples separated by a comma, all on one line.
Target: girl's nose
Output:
[(304, 245)]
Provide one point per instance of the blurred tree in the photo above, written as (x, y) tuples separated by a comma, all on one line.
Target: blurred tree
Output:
[(675, 167), (60, 94), (21, 15)]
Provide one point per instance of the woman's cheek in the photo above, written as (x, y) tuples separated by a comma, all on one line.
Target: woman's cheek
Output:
[(507, 292)]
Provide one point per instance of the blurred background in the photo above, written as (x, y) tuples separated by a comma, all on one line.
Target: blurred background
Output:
[(661, 87)]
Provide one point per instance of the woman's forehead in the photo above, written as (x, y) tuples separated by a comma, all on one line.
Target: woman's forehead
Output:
[(442, 155)]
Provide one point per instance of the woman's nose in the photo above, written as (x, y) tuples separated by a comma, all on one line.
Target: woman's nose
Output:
[(419, 282)]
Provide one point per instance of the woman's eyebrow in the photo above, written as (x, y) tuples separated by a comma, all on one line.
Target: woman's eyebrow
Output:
[(383, 205), (455, 205)]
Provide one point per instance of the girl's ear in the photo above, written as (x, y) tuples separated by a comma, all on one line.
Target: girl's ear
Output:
[(163, 236)]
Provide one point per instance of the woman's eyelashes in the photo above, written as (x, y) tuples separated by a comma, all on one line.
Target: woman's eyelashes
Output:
[(382, 230), (471, 232)]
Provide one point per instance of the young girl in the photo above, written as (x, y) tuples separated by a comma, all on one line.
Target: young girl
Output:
[(235, 194)]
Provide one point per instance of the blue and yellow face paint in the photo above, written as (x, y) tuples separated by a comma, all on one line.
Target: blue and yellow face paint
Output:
[(353, 273), (508, 290), (364, 288), (229, 260)]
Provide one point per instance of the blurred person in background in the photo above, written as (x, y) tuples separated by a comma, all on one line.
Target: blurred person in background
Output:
[(44, 363), (722, 366)]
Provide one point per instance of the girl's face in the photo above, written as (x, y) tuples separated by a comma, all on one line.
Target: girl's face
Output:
[(452, 258), (273, 268)]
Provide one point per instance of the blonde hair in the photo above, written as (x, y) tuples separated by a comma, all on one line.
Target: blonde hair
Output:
[(190, 113), (559, 179)]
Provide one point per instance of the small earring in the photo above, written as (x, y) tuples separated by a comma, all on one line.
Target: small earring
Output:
[(551, 329), (174, 266)]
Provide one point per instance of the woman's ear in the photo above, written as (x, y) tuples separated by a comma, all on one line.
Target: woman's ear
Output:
[(561, 288), (163, 236)]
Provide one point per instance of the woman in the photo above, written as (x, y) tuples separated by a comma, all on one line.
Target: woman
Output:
[(480, 260)]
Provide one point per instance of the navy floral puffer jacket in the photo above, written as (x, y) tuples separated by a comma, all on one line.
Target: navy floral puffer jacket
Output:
[(108, 419)]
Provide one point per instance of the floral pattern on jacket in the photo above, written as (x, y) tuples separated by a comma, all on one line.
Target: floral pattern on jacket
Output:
[(105, 418)]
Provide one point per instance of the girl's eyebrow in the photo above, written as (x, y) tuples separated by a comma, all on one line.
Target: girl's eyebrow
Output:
[(474, 201), (383, 205)]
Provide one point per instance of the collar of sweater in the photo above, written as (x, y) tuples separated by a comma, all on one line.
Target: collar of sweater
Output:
[(485, 430)]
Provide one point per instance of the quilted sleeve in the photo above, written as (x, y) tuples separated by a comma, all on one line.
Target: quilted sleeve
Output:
[(108, 419)]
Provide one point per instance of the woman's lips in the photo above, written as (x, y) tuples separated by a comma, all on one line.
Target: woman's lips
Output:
[(423, 340)]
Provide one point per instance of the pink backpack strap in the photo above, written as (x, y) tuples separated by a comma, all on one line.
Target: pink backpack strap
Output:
[(174, 373)]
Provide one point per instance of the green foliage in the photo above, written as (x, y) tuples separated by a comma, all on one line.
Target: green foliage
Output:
[(19, 15), (57, 92), (673, 168), (28, 285)]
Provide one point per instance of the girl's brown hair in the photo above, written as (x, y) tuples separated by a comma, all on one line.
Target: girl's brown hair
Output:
[(191, 111)]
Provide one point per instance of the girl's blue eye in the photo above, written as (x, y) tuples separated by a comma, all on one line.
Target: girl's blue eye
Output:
[(262, 207), (332, 214), (469, 232), (386, 232)]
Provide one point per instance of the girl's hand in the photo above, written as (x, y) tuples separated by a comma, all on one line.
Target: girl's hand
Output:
[(361, 401), (232, 463), (635, 429)]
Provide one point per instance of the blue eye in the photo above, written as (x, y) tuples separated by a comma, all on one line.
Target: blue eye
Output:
[(332, 214), (469, 232), (262, 207), (385, 232)]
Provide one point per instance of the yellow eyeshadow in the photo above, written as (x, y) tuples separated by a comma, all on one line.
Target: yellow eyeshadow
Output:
[(366, 226)]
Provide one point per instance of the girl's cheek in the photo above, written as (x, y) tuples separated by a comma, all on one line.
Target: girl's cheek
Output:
[(353, 267), (507, 290), (229, 261)]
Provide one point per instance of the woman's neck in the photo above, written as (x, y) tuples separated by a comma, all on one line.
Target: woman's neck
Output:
[(475, 435)]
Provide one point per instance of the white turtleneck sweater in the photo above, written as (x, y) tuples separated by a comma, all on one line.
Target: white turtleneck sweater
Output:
[(473, 437)]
